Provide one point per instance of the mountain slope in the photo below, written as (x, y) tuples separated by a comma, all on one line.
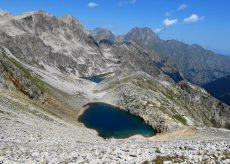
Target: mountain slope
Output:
[(46, 41), (166, 106), (60, 44), (133, 57), (59, 52), (145, 36), (220, 89), (196, 64)]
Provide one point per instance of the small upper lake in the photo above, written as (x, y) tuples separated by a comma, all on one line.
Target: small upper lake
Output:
[(96, 79), (110, 121)]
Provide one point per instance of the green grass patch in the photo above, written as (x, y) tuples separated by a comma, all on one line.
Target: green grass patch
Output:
[(180, 118), (26, 73)]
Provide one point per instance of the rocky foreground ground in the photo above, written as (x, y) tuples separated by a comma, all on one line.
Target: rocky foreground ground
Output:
[(30, 135)]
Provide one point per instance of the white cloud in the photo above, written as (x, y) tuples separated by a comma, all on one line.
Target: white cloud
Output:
[(169, 22), (168, 13), (121, 3), (92, 4), (182, 6), (158, 30), (193, 18)]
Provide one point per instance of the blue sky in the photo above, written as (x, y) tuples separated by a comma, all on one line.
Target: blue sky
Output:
[(205, 22)]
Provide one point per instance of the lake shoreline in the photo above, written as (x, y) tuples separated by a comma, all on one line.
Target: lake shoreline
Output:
[(112, 122)]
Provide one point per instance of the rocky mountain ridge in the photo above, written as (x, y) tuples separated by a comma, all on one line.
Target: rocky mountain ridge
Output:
[(61, 44), (163, 104), (196, 64)]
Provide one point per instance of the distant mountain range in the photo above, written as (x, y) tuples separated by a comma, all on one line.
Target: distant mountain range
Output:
[(196, 64)]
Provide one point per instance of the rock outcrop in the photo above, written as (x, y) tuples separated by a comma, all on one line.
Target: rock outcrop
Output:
[(164, 105)]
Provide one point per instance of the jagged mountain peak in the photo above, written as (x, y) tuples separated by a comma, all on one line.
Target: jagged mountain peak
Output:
[(102, 34), (141, 29), (139, 34), (38, 12), (101, 29), (4, 13), (37, 22), (72, 21), (145, 35)]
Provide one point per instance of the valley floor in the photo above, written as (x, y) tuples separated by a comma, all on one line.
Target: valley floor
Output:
[(30, 135)]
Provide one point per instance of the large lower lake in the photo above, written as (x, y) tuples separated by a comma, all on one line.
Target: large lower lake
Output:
[(110, 121)]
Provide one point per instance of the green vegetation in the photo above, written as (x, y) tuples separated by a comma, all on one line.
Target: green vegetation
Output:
[(206, 120), (163, 109), (36, 81), (146, 84), (30, 107), (26, 73), (180, 118), (127, 98)]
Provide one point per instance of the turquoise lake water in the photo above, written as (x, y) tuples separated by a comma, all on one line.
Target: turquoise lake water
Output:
[(110, 121)]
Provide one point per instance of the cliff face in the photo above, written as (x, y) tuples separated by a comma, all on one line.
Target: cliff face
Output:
[(46, 41), (165, 105)]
